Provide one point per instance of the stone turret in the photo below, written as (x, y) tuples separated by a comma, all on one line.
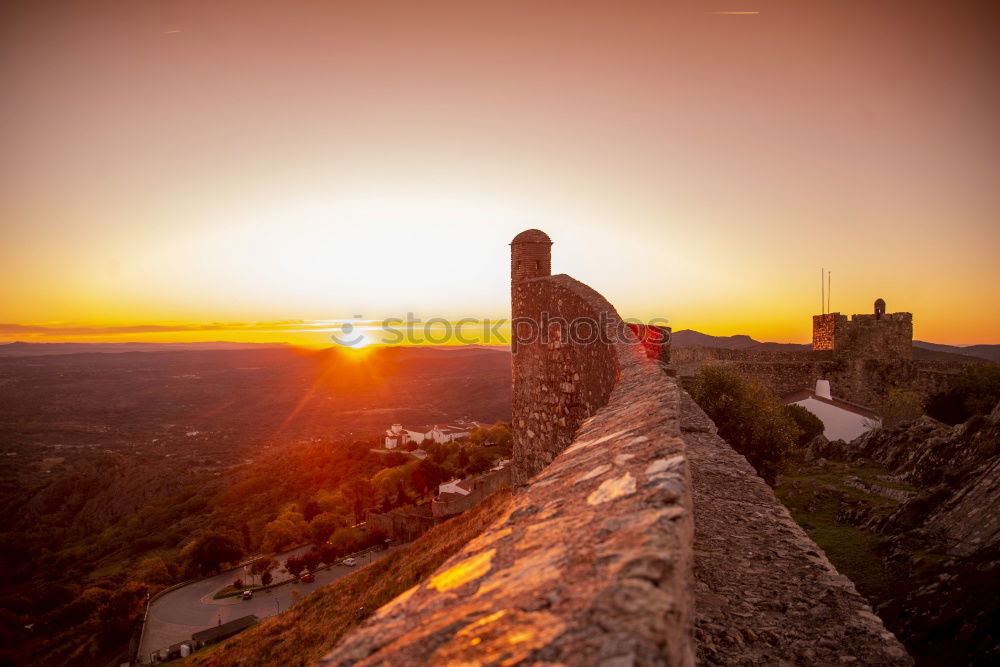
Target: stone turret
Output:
[(530, 255)]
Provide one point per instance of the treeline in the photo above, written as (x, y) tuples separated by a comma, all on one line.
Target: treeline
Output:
[(80, 602)]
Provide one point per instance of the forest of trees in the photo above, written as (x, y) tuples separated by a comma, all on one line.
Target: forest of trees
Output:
[(82, 601)]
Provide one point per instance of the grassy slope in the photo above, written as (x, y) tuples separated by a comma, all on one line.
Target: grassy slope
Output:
[(816, 494), (315, 624)]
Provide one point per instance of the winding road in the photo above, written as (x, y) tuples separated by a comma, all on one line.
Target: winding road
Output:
[(175, 616)]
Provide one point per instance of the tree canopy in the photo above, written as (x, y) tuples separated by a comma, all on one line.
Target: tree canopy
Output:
[(749, 417)]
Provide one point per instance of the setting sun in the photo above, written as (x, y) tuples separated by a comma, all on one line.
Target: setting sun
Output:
[(362, 341)]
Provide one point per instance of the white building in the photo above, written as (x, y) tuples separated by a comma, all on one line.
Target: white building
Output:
[(841, 420), (397, 436)]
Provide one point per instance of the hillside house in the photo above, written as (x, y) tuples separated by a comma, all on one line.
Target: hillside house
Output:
[(841, 420), (396, 436)]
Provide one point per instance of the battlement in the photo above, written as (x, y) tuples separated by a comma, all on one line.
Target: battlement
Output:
[(879, 335)]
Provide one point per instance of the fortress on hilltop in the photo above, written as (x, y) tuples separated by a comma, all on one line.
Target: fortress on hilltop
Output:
[(864, 357), (636, 535), (880, 335)]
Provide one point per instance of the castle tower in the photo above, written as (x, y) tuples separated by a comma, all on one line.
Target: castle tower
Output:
[(880, 335)]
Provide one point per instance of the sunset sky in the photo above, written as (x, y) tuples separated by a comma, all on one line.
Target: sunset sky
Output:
[(212, 170)]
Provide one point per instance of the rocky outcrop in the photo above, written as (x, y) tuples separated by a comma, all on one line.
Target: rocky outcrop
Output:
[(940, 546), (958, 469)]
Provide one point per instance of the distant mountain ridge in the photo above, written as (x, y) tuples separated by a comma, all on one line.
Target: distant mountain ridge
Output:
[(682, 338), (991, 352), (25, 349), (691, 338)]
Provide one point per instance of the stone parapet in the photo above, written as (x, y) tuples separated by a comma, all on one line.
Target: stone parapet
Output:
[(562, 371), (591, 566)]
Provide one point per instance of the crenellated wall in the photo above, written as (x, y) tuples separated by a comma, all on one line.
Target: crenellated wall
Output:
[(877, 336)]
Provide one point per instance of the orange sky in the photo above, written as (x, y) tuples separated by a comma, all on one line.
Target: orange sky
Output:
[(170, 165)]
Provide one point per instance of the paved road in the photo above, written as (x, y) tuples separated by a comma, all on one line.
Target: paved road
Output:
[(174, 617)]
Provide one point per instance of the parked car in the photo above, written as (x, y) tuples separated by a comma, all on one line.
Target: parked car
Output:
[(349, 562), (248, 595), (308, 578)]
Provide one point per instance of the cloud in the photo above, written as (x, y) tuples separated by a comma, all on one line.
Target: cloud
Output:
[(170, 32)]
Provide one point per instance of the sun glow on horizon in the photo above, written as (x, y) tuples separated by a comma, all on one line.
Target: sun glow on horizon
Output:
[(363, 164), (361, 342)]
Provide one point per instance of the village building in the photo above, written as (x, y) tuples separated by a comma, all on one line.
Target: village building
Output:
[(396, 436), (841, 419)]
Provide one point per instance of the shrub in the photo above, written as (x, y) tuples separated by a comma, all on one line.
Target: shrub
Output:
[(294, 565), (347, 539), (810, 425), (288, 529), (311, 560), (328, 554), (261, 566), (323, 525), (748, 416), (152, 571), (901, 406), (976, 390), (209, 551)]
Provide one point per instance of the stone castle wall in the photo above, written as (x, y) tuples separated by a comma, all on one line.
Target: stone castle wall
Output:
[(450, 504), (864, 380), (825, 330), (593, 563), (889, 336), (402, 525), (597, 561), (558, 380)]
